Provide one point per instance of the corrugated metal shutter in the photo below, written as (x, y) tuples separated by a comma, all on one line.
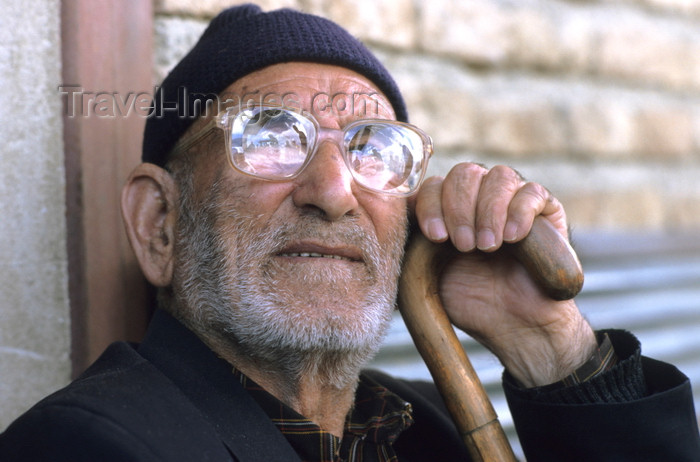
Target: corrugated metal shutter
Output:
[(649, 285)]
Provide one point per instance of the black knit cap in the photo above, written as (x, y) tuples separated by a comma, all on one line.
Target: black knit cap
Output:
[(244, 39)]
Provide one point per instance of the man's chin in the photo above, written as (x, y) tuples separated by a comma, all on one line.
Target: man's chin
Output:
[(314, 324), (327, 282)]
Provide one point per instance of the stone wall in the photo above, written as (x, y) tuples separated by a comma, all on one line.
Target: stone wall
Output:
[(34, 310), (598, 100)]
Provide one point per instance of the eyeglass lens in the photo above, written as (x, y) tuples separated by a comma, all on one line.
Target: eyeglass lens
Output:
[(275, 143), (271, 143)]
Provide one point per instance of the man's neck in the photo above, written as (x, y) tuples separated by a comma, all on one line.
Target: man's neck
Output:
[(311, 393), (324, 404)]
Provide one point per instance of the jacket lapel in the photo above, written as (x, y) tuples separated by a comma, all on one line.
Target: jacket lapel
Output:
[(209, 384)]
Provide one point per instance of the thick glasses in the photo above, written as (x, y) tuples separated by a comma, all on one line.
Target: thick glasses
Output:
[(275, 143)]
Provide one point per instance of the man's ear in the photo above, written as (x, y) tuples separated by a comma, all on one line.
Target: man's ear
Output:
[(149, 212)]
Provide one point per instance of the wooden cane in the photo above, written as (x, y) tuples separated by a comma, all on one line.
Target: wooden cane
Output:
[(549, 259)]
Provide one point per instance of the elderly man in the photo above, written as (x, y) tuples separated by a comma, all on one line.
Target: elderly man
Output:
[(274, 230)]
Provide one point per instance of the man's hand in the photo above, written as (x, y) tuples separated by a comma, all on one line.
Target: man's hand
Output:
[(484, 290)]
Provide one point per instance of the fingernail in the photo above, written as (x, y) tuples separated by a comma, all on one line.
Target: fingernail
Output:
[(510, 233), (437, 230), (464, 238), (486, 240)]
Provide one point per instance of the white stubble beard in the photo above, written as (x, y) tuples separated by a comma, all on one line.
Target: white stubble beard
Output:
[(233, 289)]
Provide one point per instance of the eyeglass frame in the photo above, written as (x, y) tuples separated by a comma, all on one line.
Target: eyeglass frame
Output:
[(221, 121)]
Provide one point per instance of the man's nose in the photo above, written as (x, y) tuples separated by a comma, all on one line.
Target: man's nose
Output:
[(327, 184)]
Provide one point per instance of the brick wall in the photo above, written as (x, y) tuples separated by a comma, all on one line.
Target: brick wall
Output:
[(598, 100)]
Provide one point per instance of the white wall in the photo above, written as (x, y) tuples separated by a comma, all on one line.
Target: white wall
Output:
[(34, 306)]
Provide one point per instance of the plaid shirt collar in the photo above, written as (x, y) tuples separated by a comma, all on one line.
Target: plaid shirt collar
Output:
[(375, 422)]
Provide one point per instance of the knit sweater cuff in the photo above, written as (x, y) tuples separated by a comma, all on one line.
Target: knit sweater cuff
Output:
[(622, 383)]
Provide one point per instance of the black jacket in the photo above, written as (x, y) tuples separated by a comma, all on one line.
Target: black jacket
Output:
[(172, 399)]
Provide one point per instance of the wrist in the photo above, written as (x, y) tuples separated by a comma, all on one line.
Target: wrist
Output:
[(552, 353), (618, 376), (602, 360)]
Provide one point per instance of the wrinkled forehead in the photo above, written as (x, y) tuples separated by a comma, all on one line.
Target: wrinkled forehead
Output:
[(326, 91)]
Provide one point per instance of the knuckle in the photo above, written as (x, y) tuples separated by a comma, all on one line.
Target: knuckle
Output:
[(506, 173), (531, 200), (464, 178), (503, 181), (466, 171), (536, 191)]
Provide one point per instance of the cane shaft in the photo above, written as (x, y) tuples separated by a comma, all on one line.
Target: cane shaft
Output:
[(559, 274)]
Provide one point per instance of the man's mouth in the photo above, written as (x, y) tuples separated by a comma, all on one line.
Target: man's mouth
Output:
[(313, 255), (312, 250)]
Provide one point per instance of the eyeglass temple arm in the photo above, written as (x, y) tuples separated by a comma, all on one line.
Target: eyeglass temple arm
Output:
[(186, 143)]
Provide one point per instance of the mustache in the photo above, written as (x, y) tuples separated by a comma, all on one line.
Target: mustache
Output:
[(344, 233)]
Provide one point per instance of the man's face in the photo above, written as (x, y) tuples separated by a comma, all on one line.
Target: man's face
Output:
[(309, 264)]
